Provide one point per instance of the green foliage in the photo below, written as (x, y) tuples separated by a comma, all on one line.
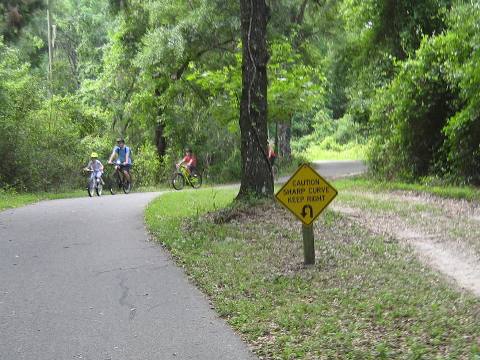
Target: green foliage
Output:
[(341, 139), (93, 143), (462, 145), (146, 166), (409, 116), (78, 50), (406, 70), (19, 95), (427, 120), (15, 15), (294, 87), (377, 34), (51, 156), (40, 143), (157, 74)]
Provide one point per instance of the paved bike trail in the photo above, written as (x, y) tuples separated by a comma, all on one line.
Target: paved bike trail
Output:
[(79, 279), (339, 168)]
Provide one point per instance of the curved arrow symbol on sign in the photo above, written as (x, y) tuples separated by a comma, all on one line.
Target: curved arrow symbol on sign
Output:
[(304, 210)]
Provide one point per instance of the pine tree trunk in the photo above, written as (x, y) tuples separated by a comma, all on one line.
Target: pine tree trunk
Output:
[(256, 173)]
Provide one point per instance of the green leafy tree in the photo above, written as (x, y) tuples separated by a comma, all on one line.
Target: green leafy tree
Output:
[(294, 90), (377, 34), (18, 96), (16, 15), (427, 120)]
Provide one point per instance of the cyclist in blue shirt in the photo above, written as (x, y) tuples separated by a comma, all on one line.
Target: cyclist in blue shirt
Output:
[(124, 160)]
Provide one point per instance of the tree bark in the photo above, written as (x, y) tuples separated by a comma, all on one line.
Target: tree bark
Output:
[(276, 138), (160, 140), (284, 136), (257, 177)]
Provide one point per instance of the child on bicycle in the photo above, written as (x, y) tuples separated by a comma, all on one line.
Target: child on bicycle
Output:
[(190, 161), (95, 167)]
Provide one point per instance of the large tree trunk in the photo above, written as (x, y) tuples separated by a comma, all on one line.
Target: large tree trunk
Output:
[(160, 140), (284, 135), (257, 177)]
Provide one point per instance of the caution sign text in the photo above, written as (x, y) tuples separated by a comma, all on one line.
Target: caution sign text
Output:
[(306, 194)]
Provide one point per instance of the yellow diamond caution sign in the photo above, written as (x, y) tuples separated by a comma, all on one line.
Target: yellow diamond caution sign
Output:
[(306, 194)]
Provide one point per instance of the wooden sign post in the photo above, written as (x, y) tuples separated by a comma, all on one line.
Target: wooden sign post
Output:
[(306, 194), (308, 244)]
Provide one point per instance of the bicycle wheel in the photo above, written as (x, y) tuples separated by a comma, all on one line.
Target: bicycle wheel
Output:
[(178, 181), (196, 181), (126, 186), (114, 183), (99, 188), (91, 187)]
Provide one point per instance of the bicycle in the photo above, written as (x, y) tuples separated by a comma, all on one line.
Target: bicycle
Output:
[(118, 182), (94, 184), (182, 176)]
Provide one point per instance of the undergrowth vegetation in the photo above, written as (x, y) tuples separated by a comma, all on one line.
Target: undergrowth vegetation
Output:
[(341, 139), (9, 198), (427, 120)]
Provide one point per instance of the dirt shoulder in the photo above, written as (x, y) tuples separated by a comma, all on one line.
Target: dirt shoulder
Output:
[(444, 233)]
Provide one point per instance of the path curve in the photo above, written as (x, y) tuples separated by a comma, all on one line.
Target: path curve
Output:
[(334, 169), (339, 168), (80, 280)]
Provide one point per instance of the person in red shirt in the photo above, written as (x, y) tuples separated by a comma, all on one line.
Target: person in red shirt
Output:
[(190, 161), (271, 154)]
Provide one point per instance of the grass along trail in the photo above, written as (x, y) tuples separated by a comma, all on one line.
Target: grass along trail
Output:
[(367, 297), (445, 233)]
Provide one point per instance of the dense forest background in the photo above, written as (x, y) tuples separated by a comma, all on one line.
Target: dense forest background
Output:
[(400, 78)]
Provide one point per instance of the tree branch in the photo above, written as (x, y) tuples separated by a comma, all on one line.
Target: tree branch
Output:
[(178, 74), (301, 14)]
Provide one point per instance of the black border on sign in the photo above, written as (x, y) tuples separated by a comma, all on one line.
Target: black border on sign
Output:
[(294, 213)]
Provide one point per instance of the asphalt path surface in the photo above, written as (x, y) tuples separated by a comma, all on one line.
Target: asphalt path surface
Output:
[(336, 169), (79, 279)]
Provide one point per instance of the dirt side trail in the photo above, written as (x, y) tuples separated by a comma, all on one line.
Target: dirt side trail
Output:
[(444, 233)]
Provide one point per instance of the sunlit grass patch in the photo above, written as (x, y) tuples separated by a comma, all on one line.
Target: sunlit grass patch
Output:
[(447, 191), (324, 151), (11, 199)]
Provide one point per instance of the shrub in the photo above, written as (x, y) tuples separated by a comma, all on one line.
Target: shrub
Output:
[(427, 121), (146, 166), (332, 136), (409, 115)]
